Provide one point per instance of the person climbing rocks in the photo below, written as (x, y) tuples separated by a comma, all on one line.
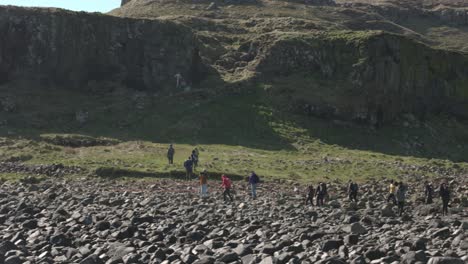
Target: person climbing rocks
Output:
[(227, 185), (428, 193), (310, 195), (391, 192), (170, 154), (188, 164), (400, 196), (194, 157), (253, 182), (203, 184), (353, 191), (444, 193), (321, 193)]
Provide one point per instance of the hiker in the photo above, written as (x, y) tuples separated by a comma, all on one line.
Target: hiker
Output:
[(188, 164), (321, 192), (444, 193), (428, 193), (353, 191), (253, 181), (203, 184), (391, 192), (227, 185), (194, 157), (310, 195), (170, 154), (400, 196)]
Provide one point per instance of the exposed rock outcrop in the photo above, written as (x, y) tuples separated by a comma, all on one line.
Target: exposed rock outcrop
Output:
[(72, 49), (377, 76)]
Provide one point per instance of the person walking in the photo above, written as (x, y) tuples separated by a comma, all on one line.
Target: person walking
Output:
[(400, 196), (188, 164), (321, 192), (253, 182), (227, 185), (170, 154), (391, 192), (203, 184), (428, 193), (353, 191), (310, 195), (444, 193)]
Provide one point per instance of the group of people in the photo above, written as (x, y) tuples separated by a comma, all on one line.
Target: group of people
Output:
[(444, 194), (227, 186), (190, 164), (396, 195), (320, 194)]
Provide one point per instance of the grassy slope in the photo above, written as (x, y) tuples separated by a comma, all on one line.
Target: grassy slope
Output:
[(236, 133)]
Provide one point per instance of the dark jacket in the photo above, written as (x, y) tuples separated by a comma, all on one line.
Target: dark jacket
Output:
[(170, 152), (253, 179), (444, 193), (188, 164)]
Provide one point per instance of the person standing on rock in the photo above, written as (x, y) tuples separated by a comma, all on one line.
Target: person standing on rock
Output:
[(188, 164), (227, 185), (353, 191), (391, 192), (170, 154), (401, 197), (321, 192), (444, 193), (203, 184), (253, 181), (310, 195), (428, 193)]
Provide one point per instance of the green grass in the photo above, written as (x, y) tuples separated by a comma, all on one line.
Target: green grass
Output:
[(236, 133)]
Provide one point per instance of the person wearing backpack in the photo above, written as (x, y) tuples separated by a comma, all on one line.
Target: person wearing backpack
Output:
[(310, 195), (227, 185), (253, 182), (188, 164), (444, 193), (353, 191), (400, 196)]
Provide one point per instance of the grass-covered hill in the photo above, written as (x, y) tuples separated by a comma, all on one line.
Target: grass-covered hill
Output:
[(297, 90)]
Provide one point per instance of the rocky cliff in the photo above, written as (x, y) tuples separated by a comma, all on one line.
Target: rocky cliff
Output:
[(73, 49), (374, 76)]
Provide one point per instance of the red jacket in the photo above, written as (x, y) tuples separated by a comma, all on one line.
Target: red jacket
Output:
[(226, 182)]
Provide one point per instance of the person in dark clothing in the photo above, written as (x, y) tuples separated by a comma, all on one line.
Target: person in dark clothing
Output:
[(444, 193), (253, 181), (194, 157), (400, 196), (170, 154), (188, 164), (321, 192), (353, 191), (428, 193), (310, 195)]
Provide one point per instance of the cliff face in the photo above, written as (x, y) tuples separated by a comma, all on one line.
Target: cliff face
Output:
[(73, 49), (370, 77)]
